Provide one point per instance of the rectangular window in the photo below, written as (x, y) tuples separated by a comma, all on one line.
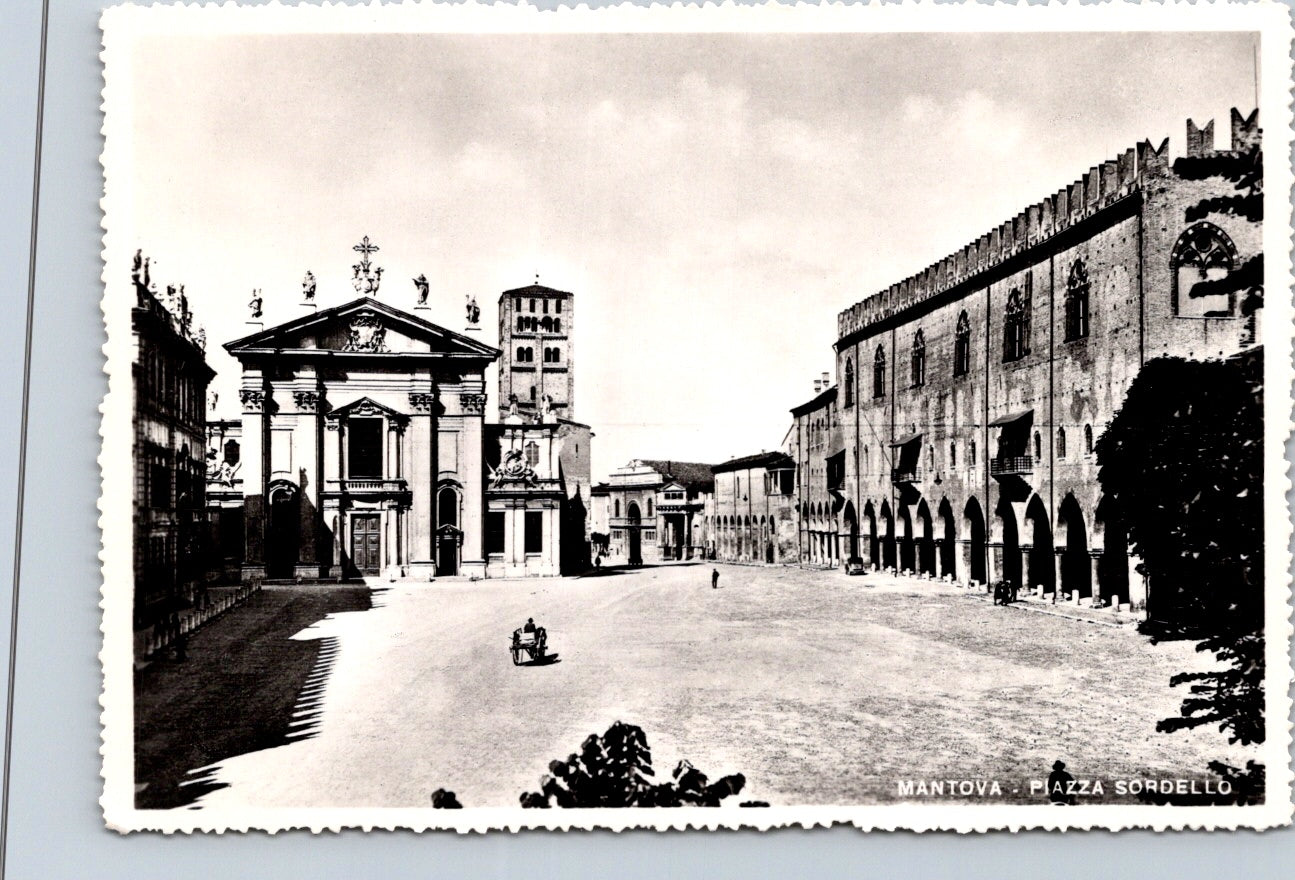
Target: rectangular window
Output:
[(546, 306), (557, 306), (364, 448), (534, 531), (495, 531)]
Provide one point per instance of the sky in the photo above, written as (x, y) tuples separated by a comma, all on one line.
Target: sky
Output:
[(713, 201)]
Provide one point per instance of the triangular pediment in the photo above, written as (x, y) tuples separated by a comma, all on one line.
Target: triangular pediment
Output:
[(367, 406), (361, 327)]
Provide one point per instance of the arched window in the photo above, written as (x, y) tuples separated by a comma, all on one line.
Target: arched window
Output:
[(546, 324), (1061, 442), (865, 460), (930, 459), (521, 323), (521, 354), (1014, 327), (616, 505), (532, 306), (1077, 302), (557, 306), (649, 506), (848, 382), (953, 455), (919, 359), (1203, 253), (532, 394), (879, 373), (1038, 447), (545, 304), (962, 346), (1088, 439), (447, 506), (971, 453)]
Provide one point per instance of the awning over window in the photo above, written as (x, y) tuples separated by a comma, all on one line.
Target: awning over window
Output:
[(1011, 418), (907, 439)]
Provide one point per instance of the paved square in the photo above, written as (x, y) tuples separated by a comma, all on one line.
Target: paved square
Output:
[(820, 688)]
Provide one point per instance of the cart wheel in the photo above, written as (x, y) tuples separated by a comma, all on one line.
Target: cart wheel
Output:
[(517, 657)]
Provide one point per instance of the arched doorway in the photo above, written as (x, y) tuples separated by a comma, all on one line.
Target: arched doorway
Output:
[(975, 520), (635, 534), (925, 540), (874, 551), (283, 537), (1011, 569), (1076, 566), (948, 546), (907, 547), (1043, 570), (852, 529), (889, 558)]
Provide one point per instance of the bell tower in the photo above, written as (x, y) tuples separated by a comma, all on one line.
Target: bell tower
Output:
[(536, 328)]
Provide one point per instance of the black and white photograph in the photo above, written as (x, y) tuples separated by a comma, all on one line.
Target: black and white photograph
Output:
[(771, 416)]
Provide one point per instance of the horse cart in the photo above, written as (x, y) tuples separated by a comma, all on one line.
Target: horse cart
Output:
[(529, 645)]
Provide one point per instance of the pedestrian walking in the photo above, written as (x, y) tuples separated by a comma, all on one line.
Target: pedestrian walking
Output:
[(714, 578)]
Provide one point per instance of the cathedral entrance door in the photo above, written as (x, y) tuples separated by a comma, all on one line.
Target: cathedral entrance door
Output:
[(447, 553), (366, 543)]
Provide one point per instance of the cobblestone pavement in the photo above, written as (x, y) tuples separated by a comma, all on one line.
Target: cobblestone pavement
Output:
[(820, 688)]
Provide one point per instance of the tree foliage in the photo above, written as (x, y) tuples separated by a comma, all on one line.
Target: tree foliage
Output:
[(615, 770), (1182, 469)]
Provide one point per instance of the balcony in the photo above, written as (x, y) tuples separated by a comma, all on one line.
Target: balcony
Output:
[(905, 475), (1011, 466), (368, 486)]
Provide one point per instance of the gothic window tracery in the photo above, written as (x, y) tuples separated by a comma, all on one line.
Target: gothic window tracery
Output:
[(1203, 253), (962, 346), (1014, 327), (879, 373), (1077, 288), (849, 382), (919, 359)]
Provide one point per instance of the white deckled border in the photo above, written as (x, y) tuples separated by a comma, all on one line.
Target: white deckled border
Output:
[(124, 24)]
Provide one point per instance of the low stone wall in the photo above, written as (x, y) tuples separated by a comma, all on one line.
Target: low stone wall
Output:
[(153, 640)]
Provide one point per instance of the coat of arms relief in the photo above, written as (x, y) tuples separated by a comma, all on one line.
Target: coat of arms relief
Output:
[(366, 334)]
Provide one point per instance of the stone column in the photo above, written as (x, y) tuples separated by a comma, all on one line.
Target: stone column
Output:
[(422, 475), (473, 403), (254, 452), (939, 558), (1093, 561), (309, 473), (964, 557)]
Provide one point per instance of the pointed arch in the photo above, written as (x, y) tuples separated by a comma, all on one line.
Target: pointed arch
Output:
[(1042, 566), (974, 518), (879, 373), (848, 382), (946, 532), (962, 345), (1072, 535), (925, 540)]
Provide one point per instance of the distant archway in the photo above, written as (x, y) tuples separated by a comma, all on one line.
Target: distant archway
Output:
[(852, 527), (948, 546), (888, 555), (1011, 569), (975, 520), (1113, 566), (1043, 570), (925, 540), (874, 550), (907, 547), (1076, 566), (635, 534)]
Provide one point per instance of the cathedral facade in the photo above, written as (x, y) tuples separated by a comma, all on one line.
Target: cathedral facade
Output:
[(361, 446), (364, 449), (968, 398)]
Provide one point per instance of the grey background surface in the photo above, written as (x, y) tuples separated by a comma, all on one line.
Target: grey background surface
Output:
[(55, 828)]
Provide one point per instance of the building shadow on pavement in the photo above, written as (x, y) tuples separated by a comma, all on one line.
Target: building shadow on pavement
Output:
[(245, 685)]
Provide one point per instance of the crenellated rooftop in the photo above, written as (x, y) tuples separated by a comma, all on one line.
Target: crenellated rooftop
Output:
[(1101, 187)]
